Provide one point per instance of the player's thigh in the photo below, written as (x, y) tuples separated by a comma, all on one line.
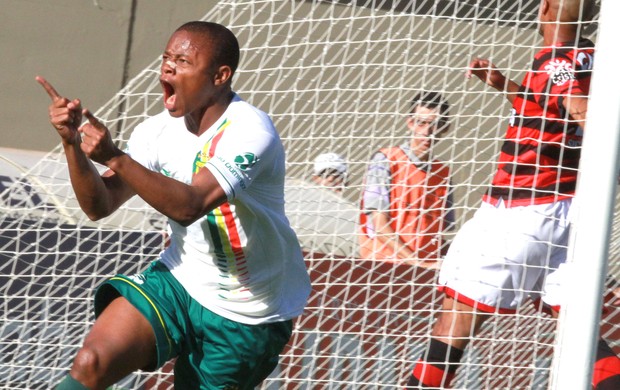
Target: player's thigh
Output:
[(122, 338)]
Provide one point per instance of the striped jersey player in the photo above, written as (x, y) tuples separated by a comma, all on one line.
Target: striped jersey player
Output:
[(513, 249)]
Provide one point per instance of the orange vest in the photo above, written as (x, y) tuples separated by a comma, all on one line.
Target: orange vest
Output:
[(418, 201)]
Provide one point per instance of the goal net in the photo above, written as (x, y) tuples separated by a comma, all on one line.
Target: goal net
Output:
[(335, 77)]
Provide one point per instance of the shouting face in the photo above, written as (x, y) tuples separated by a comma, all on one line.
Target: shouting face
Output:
[(188, 77)]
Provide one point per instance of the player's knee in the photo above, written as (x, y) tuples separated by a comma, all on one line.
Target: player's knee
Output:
[(86, 366)]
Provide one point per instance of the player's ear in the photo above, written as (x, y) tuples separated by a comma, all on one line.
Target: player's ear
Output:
[(222, 75), (544, 7)]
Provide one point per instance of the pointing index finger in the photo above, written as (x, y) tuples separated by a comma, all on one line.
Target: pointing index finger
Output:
[(93, 120), (48, 88)]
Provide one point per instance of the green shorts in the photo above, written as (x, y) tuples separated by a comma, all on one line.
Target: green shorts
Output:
[(212, 352)]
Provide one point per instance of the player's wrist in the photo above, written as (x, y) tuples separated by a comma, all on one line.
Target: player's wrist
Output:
[(116, 161)]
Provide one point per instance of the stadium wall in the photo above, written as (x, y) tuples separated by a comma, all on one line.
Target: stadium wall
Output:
[(85, 48)]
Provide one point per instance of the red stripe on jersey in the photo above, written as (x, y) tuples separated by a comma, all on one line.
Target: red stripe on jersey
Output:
[(214, 142), (232, 229), (233, 232)]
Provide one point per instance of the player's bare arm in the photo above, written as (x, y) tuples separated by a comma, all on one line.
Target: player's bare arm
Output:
[(98, 195), (178, 201), (487, 72), (65, 115), (181, 202)]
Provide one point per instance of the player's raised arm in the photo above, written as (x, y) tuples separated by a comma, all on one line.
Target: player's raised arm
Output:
[(181, 202), (486, 71), (98, 196), (97, 141), (65, 115)]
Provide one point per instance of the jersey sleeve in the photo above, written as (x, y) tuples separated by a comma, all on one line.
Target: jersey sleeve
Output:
[(240, 157)]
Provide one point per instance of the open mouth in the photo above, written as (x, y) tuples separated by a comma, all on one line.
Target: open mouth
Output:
[(169, 95)]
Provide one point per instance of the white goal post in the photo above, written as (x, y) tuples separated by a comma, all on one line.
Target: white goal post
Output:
[(578, 328), (336, 76)]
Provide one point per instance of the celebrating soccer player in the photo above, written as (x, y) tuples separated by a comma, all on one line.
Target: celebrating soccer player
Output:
[(222, 296)]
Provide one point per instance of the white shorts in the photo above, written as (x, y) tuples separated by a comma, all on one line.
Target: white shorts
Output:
[(504, 256)]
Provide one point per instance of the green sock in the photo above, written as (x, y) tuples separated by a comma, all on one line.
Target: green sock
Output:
[(70, 384)]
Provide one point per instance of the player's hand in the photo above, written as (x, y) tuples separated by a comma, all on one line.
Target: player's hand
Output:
[(616, 295), (487, 72), (65, 115), (97, 141)]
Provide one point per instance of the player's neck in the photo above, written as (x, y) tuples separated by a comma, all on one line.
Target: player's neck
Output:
[(553, 36), (199, 122)]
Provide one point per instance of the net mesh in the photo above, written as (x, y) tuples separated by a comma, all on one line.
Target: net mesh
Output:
[(334, 76)]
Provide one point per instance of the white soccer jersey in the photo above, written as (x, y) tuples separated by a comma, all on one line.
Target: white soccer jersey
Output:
[(242, 260)]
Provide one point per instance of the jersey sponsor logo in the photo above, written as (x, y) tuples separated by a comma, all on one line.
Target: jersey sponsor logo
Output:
[(246, 161), (233, 172), (137, 278), (560, 71)]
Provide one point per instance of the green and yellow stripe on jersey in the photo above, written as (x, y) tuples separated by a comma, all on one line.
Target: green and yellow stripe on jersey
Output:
[(204, 155)]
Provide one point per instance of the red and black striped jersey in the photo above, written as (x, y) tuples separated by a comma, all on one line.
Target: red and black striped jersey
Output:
[(539, 159)]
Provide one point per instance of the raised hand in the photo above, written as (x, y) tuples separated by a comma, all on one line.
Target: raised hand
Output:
[(65, 115), (97, 141), (487, 72)]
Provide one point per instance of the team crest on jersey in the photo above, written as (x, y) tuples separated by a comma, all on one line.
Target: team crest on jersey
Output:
[(200, 161), (246, 161), (560, 72)]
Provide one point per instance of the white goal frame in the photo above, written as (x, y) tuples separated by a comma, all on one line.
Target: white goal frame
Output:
[(578, 325), (340, 75)]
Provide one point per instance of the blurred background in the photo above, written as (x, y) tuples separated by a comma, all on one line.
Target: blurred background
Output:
[(85, 48)]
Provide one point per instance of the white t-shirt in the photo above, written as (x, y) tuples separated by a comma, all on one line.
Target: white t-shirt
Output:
[(242, 260)]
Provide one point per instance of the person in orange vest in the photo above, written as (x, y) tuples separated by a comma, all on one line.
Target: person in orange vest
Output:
[(406, 201)]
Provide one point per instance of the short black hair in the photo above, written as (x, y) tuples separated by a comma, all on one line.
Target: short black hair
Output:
[(224, 44), (432, 100)]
